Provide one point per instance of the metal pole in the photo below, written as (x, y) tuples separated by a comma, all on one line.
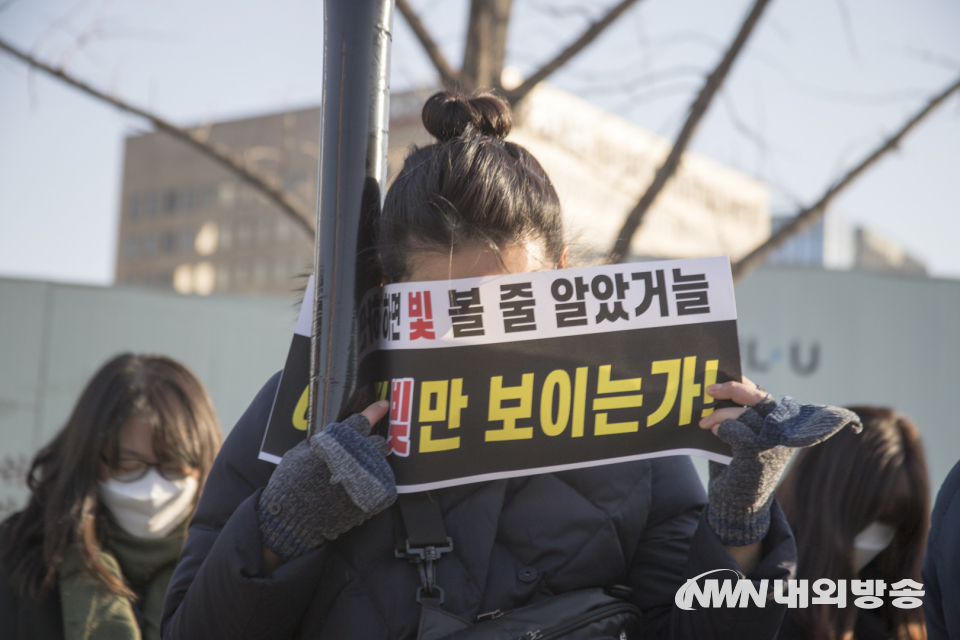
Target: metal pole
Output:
[(353, 156)]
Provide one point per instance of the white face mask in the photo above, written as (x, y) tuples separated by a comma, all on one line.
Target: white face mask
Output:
[(150, 507), (870, 542)]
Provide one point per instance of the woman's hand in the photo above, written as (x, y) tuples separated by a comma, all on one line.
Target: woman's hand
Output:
[(744, 393), (762, 437), (375, 412), (326, 486)]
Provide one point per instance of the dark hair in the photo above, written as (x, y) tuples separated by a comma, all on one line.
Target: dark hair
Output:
[(64, 508), (470, 187), (835, 490)]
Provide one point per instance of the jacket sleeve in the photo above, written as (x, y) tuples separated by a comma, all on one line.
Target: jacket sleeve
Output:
[(678, 544), (230, 599), (941, 565), (217, 590)]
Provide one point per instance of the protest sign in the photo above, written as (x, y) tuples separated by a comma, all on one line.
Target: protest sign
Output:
[(287, 424), (537, 372)]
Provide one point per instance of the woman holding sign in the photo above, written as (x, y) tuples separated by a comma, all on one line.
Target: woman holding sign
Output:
[(309, 548)]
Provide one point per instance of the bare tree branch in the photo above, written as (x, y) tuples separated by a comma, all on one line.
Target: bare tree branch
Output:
[(627, 84), (231, 161), (575, 47), (581, 9), (449, 77), (808, 216), (697, 110), (91, 31), (848, 29), (932, 57)]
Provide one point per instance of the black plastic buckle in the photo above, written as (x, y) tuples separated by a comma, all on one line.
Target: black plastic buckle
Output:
[(429, 554), (490, 615), (424, 557), (437, 594)]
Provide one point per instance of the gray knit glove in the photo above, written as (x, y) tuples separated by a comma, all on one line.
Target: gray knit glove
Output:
[(763, 439), (324, 487)]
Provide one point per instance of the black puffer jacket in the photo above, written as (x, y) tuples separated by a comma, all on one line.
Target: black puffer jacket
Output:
[(941, 565), (515, 542), (22, 618)]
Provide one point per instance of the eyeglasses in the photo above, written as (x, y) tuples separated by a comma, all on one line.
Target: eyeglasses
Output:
[(131, 469)]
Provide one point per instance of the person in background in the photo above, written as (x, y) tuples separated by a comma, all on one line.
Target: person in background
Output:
[(859, 507), (941, 566), (90, 556)]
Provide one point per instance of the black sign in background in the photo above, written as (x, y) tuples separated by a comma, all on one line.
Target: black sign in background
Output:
[(633, 353), (281, 434)]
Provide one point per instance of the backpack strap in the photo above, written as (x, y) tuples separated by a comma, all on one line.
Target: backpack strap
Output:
[(424, 539)]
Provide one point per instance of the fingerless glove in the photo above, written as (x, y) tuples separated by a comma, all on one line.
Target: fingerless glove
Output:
[(763, 439), (325, 486)]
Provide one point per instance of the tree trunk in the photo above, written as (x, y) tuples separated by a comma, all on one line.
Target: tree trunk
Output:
[(486, 44)]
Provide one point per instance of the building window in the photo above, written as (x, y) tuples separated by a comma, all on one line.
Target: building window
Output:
[(260, 274), (187, 200), (240, 278), (227, 195), (183, 279), (226, 236), (244, 233), (265, 231), (149, 247), (151, 206), (170, 202), (245, 194), (133, 207), (206, 239), (186, 241), (223, 278), (169, 242), (131, 247), (209, 196)]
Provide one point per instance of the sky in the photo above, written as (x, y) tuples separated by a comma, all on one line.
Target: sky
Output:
[(820, 83)]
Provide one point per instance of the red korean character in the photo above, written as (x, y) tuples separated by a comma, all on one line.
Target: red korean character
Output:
[(401, 400), (421, 315)]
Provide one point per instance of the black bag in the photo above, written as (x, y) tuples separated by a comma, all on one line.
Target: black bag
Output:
[(586, 614)]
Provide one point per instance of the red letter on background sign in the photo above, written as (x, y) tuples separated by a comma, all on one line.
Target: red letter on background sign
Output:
[(401, 401)]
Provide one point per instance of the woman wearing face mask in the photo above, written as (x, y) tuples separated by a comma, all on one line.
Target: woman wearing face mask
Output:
[(306, 548), (859, 506), (90, 556)]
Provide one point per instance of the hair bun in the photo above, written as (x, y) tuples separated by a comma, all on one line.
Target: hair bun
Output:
[(447, 115)]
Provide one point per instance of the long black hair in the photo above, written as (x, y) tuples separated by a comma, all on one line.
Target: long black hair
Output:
[(64, 508), (471, 187), (837, 489)]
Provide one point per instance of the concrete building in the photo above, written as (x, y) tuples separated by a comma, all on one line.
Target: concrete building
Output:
[(802, 250), (873, 252), (189, 225), (833, 243)]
